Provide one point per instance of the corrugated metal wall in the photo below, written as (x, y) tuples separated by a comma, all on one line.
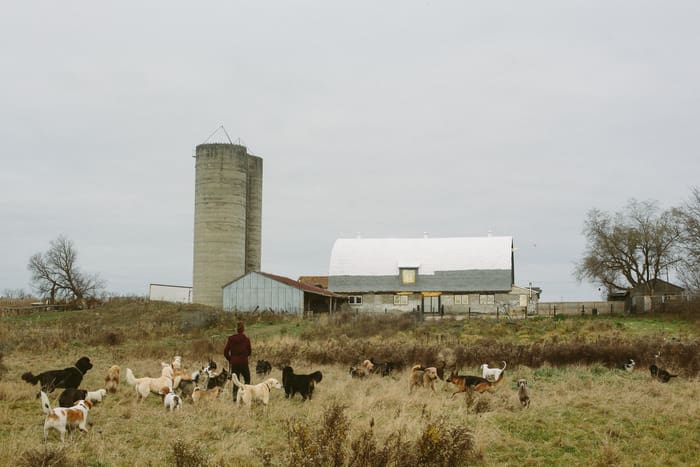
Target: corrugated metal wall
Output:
[(257, 291)]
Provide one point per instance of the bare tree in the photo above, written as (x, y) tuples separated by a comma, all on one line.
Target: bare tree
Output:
[(630, 248), (689, 268), (55, 274)]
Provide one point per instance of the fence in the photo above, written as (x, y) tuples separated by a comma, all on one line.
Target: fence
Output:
[(579, 308)]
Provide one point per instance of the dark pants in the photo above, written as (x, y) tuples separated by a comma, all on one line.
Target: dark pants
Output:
[(243, 373)]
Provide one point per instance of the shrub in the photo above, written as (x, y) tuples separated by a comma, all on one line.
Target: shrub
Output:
[(46, 456), (189, 455)]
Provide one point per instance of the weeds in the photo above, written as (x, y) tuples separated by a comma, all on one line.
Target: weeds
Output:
[(46, 456), (189, 455)]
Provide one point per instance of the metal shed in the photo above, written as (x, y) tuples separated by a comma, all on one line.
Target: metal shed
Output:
[(260, 291)]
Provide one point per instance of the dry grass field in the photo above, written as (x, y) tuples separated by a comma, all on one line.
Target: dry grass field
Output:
[(583, 411)]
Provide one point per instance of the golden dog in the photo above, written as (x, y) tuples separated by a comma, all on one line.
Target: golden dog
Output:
[(248, 393), (422, 377), (144, 386), (112, 379), (201, 395)]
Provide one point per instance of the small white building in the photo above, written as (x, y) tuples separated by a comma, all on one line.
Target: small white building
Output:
[(170, 293)]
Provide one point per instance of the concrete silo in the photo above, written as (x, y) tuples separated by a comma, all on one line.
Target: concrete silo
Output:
[(227, 218)]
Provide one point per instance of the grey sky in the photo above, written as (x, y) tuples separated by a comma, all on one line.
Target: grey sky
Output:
[(385, 118)]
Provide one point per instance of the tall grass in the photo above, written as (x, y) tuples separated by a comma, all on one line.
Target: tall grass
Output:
[(583, 410)]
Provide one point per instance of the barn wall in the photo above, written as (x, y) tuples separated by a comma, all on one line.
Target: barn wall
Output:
[(255, 291), (467, 281), (170, 293)]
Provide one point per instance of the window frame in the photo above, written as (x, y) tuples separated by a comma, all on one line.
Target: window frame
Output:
[(402, 277), (355, 300), (398, 299)]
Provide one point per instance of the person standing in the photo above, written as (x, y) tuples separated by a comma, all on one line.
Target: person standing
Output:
[(237, 351)]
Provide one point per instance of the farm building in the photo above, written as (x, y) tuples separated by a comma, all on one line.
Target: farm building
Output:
[(655, 295), (170, 293), (432, 275), (260, 291)]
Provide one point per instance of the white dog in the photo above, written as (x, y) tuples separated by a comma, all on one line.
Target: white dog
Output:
[(491, 374), (248, 393), (172, 401), (144, 386), (62, 418), (177, 362), (96, 396)]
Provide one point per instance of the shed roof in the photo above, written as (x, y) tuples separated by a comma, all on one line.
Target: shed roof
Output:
[(299, 285), (384, 256)]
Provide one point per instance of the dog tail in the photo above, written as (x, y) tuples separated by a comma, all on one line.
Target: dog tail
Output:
[(317, 376), (30, 378), (45, 404), (130, 377), (236, 381), (504, 365)]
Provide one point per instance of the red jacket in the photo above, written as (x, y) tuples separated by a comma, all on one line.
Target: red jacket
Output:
[(237, 349)]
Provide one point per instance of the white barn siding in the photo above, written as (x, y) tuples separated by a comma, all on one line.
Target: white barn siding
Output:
[(255, 291), (170, 293)]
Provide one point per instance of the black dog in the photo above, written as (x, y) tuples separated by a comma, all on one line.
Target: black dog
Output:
[(218, 380), (660, 374), (67, 378), (303, 384), (70, 396), (263, 367), (383, 368)]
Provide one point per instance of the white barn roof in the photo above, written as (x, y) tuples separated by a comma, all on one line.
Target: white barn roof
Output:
[(384, 256)]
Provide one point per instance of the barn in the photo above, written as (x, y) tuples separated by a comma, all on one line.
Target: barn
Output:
[(260, 291), (432, 275)]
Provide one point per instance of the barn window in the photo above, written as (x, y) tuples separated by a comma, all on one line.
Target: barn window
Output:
[(400, 299), (355, 299), (408, 275), (486, 300)]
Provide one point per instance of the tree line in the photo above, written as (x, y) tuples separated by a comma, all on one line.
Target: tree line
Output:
[(642, 243)]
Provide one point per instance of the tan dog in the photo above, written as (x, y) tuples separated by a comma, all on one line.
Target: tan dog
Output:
[(177, 363), (112, 379), (201, 395), (422, 377), (248, 393), (144, 386), (363, 370)]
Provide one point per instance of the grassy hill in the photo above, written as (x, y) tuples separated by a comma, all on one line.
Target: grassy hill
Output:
[(583, 410)]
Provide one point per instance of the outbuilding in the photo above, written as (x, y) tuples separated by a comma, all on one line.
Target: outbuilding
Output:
[(261, 291), (170, 293)]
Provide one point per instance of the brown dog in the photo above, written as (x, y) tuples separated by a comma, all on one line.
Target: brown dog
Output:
[(422, 377), (474, 383), (112, 379), (201, 395)]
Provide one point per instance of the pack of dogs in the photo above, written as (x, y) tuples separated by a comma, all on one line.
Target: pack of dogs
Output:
[(175, 385)]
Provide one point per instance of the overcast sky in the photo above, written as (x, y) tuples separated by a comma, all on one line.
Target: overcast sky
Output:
[(388, 118)]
